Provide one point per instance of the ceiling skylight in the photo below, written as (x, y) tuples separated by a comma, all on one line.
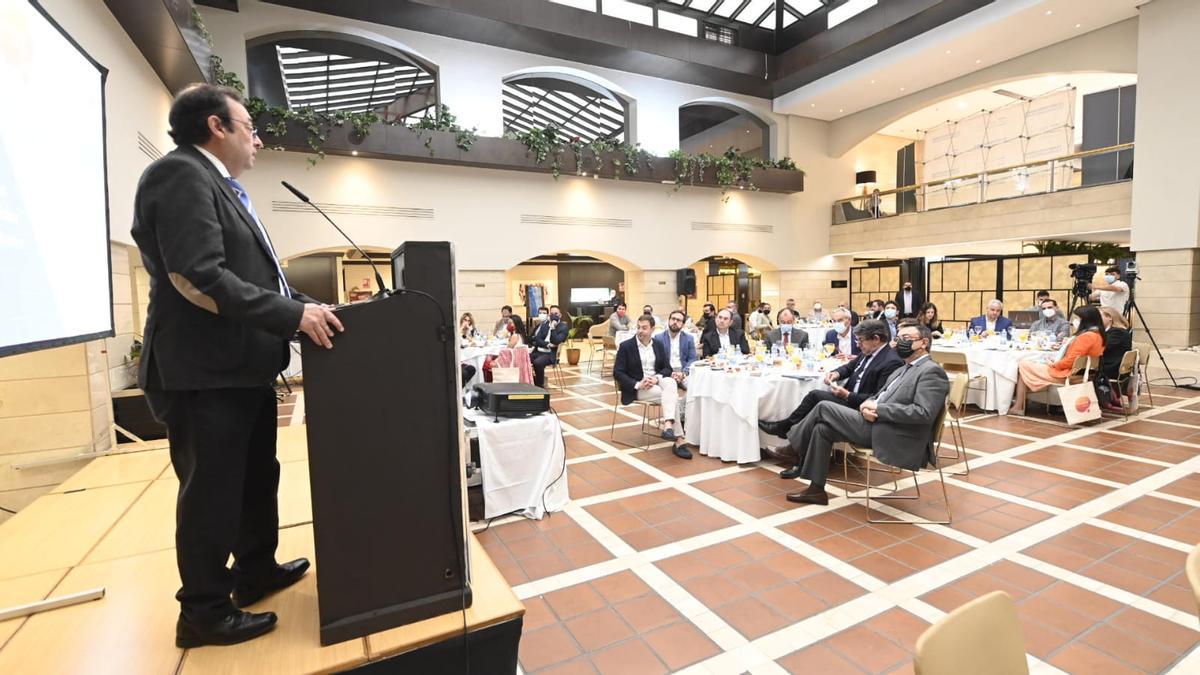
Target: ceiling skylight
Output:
[(330, 82)]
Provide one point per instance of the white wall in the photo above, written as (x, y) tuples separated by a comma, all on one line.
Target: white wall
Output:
[(1166, 191)]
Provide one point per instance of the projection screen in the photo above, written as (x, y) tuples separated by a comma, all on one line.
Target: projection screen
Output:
[(55, 271)]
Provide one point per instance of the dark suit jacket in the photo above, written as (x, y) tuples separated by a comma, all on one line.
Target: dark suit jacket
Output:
[(882, 365), (831, 338), (627, 369), (799, 337), (216, 318), (1003, 324), (711, 341), (542, 337), (917, 301)]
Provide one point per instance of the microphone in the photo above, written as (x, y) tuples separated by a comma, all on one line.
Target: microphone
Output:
[(383, 289)]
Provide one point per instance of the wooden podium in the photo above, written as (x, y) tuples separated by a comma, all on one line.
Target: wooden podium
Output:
[(385, 466)]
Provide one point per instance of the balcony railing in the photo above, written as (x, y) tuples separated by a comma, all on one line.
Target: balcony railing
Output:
[(1101, 166)]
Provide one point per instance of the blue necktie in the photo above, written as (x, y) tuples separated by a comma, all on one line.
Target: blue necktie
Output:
[(245, 199)]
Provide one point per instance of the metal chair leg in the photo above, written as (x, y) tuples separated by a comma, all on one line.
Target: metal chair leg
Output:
[(898, 521)]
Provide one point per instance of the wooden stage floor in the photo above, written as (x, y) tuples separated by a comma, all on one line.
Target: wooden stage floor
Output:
[(112, 525)]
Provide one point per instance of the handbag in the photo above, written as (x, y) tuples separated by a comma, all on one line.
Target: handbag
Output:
[(1079, 401)]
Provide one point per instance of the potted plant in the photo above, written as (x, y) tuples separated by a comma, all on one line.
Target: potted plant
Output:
[(579, 331)]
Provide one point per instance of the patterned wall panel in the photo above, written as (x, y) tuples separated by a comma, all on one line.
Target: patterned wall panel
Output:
[(1035, 273), (935, 277), (889, 281), (967, 306), (870, 279), (982, 275), (954, 276)]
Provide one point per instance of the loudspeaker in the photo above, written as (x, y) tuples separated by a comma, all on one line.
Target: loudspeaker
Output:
[(427, 266), (685, 282)]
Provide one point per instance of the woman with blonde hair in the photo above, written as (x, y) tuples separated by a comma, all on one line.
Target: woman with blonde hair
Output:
[(466, 327), (1088, 341), (1118, 340)]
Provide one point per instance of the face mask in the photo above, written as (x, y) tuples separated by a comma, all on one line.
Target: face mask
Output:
[(511, 329), (542, 315), (1109, 279), (908, 288), (1075, 324), (845, 327), (904, 348), (889, 313), (1049, 312), (816, 308), (785, 327), (556, 316), (620, 312)]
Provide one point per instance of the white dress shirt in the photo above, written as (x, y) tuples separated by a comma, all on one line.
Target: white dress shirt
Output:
[(676, 359), (724, 338), (646, 353)]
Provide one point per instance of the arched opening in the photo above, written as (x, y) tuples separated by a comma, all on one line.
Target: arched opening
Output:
[(745, 280), (576, 103), (338, 275), (580, 283), (331, 72), (715, 126)]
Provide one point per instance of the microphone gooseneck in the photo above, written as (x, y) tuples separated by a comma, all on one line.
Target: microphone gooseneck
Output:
[(383, 289)]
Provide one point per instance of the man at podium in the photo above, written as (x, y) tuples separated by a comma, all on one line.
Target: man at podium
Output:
[(217, 330)]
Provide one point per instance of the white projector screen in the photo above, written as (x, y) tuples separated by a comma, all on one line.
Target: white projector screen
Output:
[(55, 271)]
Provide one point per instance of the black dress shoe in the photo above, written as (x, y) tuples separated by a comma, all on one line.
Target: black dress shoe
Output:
[(788, 474), (807, 497), (682, 452), (285, 575), (229, 630), (779, 429)]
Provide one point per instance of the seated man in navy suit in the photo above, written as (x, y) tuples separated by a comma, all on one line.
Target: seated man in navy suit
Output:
[(862, 377), (842, 335), (546, 339), (643, 372), (994, 320), (680, 346)]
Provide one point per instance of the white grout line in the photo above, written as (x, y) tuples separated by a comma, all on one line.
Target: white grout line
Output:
[(297, 410), (739, 655)]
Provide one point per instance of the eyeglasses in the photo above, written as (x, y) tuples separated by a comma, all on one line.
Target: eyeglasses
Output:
[(249, 125)]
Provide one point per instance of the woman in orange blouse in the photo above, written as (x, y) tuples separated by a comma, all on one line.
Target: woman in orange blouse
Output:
[(1088, 341)]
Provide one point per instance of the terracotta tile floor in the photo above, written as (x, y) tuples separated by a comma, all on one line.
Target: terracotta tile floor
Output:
[(703, 565)]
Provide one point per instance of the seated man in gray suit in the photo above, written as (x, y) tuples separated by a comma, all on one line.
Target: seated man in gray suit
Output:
[(897, 424), (783, 335)]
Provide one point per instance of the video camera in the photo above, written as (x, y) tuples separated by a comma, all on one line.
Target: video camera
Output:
[(1082, 273)]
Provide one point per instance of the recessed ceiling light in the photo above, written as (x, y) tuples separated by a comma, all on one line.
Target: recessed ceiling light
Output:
[(978, 60), (354, 152), (1049, 12), (901, 88), (841, 110), (872, 81), (812, 105), (947, 51), (1078, 25)]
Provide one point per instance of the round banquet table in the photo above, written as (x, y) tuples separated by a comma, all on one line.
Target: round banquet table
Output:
[(723, 410), (475, 356), (999, 366)]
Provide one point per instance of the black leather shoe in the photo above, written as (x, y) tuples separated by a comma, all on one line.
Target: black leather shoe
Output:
[(230, 630), (807, 497), (779, 429), (681, 451), (285, 575), (788, 474)]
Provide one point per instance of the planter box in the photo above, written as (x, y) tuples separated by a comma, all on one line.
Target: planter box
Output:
[(438, 147)]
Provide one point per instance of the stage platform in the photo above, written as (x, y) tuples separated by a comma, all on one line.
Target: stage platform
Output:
[(112, 525)]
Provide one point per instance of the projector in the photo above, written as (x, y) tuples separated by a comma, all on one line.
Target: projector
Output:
[(510, 399)]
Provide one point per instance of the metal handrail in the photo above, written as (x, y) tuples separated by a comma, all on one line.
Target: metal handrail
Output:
[(968, 176)]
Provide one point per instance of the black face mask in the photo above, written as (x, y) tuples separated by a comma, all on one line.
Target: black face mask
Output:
[(904, 348)]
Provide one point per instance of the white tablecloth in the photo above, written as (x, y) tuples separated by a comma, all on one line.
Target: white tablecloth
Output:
[(475, 356), (521, 458), (1000, 368), (723, 410)]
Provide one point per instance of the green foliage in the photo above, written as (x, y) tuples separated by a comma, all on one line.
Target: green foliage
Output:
[(446, 121), (544, 143), (1102, 251)]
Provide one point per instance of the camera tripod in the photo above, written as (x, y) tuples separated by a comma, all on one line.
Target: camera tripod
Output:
[(1129, 308)]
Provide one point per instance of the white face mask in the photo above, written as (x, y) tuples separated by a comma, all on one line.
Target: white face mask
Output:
[(889, 313), (1075, 324), (1049, 312)]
